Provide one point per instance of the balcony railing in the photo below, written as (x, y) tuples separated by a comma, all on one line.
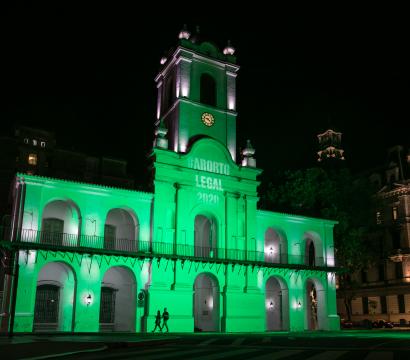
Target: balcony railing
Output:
[(49, 240)]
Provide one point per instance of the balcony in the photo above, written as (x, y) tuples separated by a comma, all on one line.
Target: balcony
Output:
[(34, 239)]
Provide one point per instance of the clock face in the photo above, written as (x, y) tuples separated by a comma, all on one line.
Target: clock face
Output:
[(208, 119)]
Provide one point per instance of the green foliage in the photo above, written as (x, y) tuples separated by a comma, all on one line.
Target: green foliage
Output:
[(331, 194)]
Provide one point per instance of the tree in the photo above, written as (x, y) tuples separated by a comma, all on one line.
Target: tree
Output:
[(337, 195)]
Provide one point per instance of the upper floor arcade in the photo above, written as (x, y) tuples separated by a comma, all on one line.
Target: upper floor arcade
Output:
[(62, 215)]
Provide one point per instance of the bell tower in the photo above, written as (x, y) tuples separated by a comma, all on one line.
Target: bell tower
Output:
[(197, 93)]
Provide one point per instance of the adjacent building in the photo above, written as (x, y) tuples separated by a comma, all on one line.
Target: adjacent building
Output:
[(89, 258), (383, 290)]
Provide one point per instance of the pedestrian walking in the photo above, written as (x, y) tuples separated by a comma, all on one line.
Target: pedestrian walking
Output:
[(165, 317), (157, 321)]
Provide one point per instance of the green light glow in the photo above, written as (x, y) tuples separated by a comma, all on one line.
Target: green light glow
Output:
[(198, 245)]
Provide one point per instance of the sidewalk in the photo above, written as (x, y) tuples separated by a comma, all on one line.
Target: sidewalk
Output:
[(51, 345)]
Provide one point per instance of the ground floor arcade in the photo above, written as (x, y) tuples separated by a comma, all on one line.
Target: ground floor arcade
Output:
[(62, 291)]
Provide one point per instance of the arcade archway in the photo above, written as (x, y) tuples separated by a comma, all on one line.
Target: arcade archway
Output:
[(315, 305), (118, 300), (276, 304), (54, 309), (121, 230), (206, 303)]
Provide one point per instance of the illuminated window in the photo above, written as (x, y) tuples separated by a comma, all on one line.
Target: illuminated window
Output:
[(378, 217), (43, 144), (32, 159), (34, 142), (395, 212), (26, 141)]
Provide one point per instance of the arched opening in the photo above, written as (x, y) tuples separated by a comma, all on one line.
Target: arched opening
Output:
[(205, 237), (206, 303), (315, 305), (311, 260), (275, 247), (208, 90), (313, 249), (60, 223), (276, 304), (118, 302), (121, 231), (54, 309)]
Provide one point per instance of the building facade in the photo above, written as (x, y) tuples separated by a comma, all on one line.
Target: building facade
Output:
[(89, 258), (382, 291)]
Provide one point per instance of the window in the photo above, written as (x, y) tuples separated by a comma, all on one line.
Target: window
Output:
[(32, 159), (365, 303), (52, 231), (26, 141), (110, 234), (34, 142), (378, 217), (364, 276), (43, 144), (395, 236), (47, 304), (395, 213), (399, 270), (381, 272), (169, 96), (208, 90), (402, 305), (107, 305), (383, 304)]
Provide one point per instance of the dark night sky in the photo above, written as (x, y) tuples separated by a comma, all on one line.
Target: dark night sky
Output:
[(88, 74)]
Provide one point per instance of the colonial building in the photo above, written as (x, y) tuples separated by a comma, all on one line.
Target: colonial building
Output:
[(382, 291), (92, 258)]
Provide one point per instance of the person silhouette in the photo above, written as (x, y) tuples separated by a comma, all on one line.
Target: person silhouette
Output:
[(157, 321), (165, 317)]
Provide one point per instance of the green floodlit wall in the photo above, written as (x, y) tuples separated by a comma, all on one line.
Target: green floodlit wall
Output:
[(182, 191), (197, 182)]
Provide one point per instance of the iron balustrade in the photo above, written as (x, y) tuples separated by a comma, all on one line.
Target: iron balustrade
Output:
[(60, 241)]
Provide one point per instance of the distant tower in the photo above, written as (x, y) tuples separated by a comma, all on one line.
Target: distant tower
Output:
[(330, 146)]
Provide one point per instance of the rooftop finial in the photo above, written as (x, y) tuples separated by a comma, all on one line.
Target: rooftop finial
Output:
[(229, 49), (247, 153), (184, 33), (160, 136)]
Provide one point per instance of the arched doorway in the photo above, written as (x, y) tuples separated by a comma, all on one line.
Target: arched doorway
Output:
[(276, 304), (121, 230), (310, 253), (205, 235), (275, 247), (55, 295), (315, 305), (313, 249), (60, 223), (117, 301), (206, 303)]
